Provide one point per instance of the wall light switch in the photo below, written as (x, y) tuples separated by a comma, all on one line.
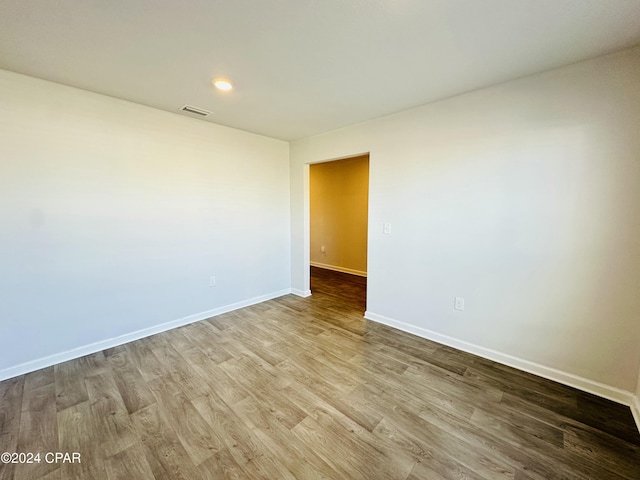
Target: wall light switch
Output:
[(459, 303), (386, 229)]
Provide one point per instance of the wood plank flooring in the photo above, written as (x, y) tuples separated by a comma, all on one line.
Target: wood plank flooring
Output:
[(307, 389)]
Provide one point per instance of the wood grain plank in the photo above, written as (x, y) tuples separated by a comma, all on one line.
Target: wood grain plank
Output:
[(126, 375), (129, 464), (347, 453), (612, 453), (76, 426), (39, 378), (11, 393), (69, 381), (243, 445), (518, 429), (163, 451), (145, 360), (436, 441), (298, 458), (114, 430), (222, 465), (198, 440), (38, 428), (442, 469)]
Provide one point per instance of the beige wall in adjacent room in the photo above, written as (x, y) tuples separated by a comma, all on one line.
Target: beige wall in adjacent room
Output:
[(339, 194)]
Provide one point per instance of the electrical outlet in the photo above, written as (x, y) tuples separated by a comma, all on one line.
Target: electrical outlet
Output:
[(459, 303), (322, 249), (386, 229), (212, 281)]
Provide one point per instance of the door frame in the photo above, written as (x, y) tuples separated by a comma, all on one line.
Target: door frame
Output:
[(306, 237)]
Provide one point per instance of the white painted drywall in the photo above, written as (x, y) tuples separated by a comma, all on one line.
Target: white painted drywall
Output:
[(523, 198), (113, 216)]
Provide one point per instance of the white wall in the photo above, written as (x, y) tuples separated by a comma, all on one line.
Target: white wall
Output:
[(522, 198), (113, 216)]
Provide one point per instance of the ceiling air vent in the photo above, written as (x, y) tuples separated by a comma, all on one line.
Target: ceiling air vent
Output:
[(196, 111)]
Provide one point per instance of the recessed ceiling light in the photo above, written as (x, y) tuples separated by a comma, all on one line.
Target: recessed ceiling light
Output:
[(222, 84)]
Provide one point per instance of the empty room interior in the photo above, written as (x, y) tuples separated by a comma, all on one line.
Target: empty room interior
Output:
[(300, 240)]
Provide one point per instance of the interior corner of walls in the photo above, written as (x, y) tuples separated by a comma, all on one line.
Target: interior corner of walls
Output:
[(635, 410), (566, 378)]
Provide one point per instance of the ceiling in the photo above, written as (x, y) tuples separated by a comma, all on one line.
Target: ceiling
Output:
[(302, 67)]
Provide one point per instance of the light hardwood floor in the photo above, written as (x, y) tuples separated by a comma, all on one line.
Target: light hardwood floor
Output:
[(306, 388)]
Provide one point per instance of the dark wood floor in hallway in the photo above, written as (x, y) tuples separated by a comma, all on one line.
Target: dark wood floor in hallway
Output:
[(307, 389)]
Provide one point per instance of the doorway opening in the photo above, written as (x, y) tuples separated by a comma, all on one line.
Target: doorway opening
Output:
[(338, 230)]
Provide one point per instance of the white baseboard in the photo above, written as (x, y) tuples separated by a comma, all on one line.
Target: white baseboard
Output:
[(130, 337), (606, 391), (635, 410), (360, 273), (301, 293)]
